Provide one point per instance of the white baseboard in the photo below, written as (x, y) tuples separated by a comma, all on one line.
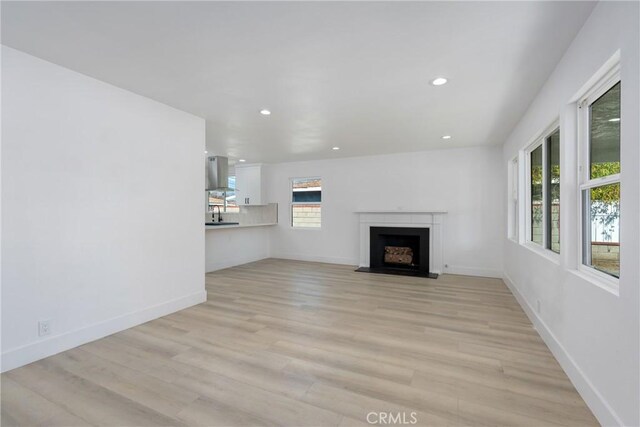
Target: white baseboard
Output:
[(592, 397), (473, 271), (312, 258), (31, 352)]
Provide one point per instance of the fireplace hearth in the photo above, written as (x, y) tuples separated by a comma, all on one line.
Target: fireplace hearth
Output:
[(399, 250)]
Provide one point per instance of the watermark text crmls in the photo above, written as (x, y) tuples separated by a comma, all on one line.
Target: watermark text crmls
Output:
[(392, 418)]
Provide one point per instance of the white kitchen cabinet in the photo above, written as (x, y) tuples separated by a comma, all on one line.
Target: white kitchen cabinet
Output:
[(250, 185)]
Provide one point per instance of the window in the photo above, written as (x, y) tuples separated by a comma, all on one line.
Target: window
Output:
[(536, 195), (225, 199), (513, 199), (600, 177), (306, 198), (553, 191), (544, 191)]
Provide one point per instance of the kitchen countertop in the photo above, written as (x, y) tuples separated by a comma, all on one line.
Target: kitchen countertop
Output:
[(398, 211), (224, 227)]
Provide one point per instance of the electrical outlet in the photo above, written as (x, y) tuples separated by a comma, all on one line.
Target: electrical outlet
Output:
[(44, 328), (538, 306)]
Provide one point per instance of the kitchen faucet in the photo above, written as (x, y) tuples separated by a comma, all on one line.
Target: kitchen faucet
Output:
[(213, 214)]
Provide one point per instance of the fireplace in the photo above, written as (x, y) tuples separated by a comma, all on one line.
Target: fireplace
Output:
[(430, 222), (399, 250)]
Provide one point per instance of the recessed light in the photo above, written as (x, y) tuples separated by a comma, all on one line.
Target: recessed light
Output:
[(265, 112), (241, 160), (439, 81), (616, 119), (205, 151), (446, 137), (336, 148)]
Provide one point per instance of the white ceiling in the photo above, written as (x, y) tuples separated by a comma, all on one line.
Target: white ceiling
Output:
[(354, 75)]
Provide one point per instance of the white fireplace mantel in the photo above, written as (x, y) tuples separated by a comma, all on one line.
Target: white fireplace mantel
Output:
[(417, 219)]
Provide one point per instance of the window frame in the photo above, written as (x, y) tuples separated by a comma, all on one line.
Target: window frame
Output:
[(292, 203), (540, 141), (585, 182), (513, 214)]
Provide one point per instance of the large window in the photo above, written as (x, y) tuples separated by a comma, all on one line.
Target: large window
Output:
[(226, 199), (544, 191), (306, 198), (600, 177), (552, 176), (536, 213)]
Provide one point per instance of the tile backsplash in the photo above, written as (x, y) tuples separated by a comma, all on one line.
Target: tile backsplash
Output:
[(263, 214)]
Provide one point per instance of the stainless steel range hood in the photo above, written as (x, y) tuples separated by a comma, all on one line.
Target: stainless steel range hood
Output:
[(217, 173)]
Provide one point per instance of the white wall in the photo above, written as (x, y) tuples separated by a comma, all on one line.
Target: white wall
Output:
[(226, 248), (101, 208), (593, 333), (465, 182)]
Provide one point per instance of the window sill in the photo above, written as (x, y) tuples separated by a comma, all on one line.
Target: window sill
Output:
[(545, 253), (306, 228), (609, 284)]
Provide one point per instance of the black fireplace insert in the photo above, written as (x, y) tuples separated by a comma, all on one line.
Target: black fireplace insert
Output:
[(399, 250)]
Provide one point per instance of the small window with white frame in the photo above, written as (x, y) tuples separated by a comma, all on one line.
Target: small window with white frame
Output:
[(513, 200), (599, 114), (306, 199), (224, 199), (543, 190)]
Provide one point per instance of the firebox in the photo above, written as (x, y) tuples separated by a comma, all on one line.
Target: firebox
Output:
[(399, 250)]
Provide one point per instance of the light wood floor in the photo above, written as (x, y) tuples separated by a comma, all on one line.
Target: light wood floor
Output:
[(286, 343)]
